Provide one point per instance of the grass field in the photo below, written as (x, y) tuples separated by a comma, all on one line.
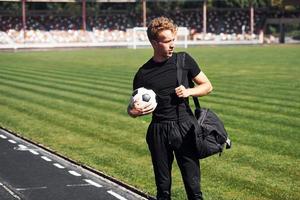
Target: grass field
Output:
[(74, 102)]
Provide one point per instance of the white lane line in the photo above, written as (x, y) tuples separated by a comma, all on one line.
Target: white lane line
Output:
[(10, 192), (46, 158), (33, 152), (22, 146), (31, 188), (74, 173), (78, 185), (3, 136), (92, 183), (12, 141), (58, 166), (116, 195)]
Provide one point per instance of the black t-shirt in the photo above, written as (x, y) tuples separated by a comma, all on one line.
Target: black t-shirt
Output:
[(162, 79)]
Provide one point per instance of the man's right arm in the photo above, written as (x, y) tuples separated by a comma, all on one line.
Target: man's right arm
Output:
[(137, 108)]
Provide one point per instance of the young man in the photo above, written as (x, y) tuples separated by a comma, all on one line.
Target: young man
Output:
[(171, 129)]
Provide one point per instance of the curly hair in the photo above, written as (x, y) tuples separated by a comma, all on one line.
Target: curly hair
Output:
[(160, 24)]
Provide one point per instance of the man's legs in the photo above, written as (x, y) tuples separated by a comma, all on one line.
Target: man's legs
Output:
[(188, 163), (190, 171), (162, 158)]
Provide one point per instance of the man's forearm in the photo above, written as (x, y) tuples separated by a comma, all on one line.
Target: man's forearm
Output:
[(200, 90)]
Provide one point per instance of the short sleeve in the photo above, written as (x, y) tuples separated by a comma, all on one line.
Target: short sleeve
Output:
[(192, 66), (138, 80)]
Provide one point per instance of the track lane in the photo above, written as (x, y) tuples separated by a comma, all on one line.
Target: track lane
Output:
[(31, 173)]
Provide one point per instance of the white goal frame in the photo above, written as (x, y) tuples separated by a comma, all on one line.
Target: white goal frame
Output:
[(139, 37)]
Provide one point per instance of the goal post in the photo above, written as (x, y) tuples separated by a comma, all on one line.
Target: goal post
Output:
[(140, 39), (182, 37)]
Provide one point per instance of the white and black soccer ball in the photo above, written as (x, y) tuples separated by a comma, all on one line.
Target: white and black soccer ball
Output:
[(143, 96)]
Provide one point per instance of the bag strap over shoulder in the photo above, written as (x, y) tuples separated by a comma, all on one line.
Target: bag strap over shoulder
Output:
[(180, 66)]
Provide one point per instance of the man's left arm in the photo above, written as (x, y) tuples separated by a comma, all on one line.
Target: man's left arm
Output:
[(203, 87)]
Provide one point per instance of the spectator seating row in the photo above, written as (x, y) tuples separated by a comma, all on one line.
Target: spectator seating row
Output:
[(221, 25)]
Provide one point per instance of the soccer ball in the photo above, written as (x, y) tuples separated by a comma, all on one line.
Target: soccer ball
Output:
[(143, 96)]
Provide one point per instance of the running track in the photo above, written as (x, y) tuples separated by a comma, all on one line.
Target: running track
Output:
[(28, 172)]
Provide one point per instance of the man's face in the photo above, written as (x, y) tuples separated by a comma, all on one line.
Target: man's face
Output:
[(164, 45)]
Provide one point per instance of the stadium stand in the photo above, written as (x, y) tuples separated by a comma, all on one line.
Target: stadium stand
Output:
[(222, 25)]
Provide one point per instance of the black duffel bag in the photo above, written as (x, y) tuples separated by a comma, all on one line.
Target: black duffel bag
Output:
[(210, 134)]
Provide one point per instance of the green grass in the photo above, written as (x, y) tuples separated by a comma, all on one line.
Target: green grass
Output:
[(74, 102)]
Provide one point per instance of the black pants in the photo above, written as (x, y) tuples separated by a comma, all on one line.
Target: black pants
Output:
[(166, 139)]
